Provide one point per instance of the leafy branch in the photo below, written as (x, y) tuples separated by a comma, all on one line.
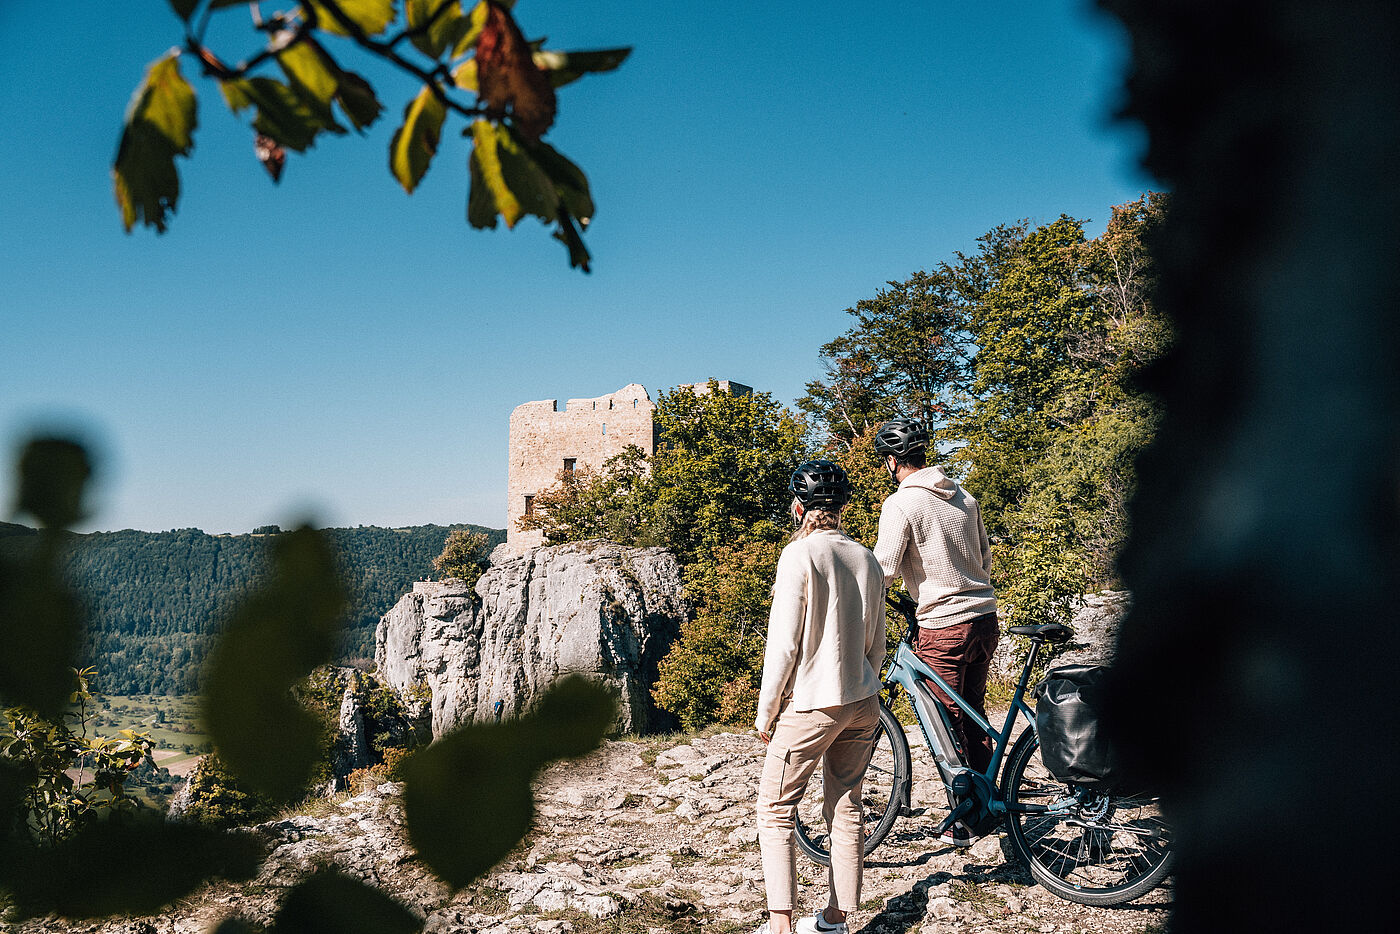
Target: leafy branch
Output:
[(458, 49)]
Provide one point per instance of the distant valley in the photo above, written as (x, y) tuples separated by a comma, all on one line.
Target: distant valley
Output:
[(156, 600)]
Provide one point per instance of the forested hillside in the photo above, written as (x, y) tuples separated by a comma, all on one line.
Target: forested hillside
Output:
[(155, 599)]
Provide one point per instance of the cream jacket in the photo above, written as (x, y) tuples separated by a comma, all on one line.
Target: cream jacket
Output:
[(931, 534), (826, 632)]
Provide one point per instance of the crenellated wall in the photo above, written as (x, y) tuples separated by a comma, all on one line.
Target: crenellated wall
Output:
[(587, 432)]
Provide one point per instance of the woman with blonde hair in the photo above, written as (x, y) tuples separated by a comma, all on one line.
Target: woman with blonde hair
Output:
[(818, 700)]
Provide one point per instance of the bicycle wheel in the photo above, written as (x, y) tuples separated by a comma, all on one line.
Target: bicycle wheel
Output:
[(1089, 848), (881, 793)]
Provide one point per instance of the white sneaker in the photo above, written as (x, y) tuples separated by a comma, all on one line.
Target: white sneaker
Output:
[(817, 924)]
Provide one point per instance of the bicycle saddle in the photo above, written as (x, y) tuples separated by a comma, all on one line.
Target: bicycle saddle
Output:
[(1050, 632)]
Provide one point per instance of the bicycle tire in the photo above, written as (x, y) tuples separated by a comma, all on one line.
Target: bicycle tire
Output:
[(881, 794), (1087, 865)]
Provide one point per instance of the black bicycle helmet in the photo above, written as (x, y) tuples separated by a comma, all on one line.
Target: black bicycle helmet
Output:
[(820, 483), (901, 437)]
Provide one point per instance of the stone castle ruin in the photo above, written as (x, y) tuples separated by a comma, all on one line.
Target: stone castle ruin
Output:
[(545, 441)]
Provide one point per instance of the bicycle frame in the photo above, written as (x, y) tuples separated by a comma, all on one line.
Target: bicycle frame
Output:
[(908, 671)]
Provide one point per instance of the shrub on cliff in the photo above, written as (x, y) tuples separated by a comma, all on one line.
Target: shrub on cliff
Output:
[(464, 555), (215, 798), (713, 671)]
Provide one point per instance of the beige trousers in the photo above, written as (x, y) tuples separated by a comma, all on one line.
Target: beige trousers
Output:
[(840, 737)]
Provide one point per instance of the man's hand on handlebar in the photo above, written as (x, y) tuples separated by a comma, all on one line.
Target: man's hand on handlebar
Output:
[(902, 603)]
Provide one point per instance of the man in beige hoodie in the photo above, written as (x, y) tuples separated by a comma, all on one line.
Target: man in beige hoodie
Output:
[(931, 534)]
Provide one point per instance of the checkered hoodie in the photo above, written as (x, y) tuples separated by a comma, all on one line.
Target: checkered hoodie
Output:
[(931, 534)]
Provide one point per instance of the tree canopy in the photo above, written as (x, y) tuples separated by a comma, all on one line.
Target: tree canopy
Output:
[(1023, 355)]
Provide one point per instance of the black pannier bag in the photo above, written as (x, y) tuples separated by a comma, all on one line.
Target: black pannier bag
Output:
[(1067, 719)]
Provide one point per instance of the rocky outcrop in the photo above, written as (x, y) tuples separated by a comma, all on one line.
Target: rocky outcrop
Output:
[(1095, 624), (456, 654)]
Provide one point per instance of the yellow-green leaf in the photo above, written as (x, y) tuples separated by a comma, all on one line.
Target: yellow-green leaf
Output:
[(316, 77), (569, 181), (481, 204), (515, 183), (371, 16), (356, 97), (464, 75), (309, 69), (289, 118), (486, 156), (160, 124), (563, 67), (416, 142), (476, 21), (531, 186), (448, 27)]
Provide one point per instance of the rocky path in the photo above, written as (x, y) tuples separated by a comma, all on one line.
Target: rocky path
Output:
[(646, 837)]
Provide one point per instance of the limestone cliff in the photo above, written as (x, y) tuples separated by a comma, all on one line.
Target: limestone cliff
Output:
[(455, 654)]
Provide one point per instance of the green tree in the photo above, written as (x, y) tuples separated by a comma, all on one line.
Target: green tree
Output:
[(73, 776), (609, 503), (713, 671), (1024, 354), (720, 501), (1049, 441), (907, 354), (217, 799), (464, 555), (910, 350), (720, 475), (470, 61)]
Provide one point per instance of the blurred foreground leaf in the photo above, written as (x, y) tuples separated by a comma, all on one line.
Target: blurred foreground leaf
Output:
[(564, 67), (274, 639), (330, 902), (40, 617), (52, 474), (468, 799), (369, 16), (159, 126), (507, 78), (40, 628), (415, 143), (15, 779), (293, 120), (136, 865), (448, 26)]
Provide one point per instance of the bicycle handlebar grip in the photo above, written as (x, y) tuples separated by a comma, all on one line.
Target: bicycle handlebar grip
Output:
[(902, 603)]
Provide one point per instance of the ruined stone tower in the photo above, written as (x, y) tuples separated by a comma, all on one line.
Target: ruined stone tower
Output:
[(545, 441)]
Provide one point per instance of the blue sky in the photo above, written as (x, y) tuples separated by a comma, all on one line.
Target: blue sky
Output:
[(331, 347)]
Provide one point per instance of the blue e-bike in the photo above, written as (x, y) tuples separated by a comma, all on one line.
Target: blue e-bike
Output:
[(1085, 845)]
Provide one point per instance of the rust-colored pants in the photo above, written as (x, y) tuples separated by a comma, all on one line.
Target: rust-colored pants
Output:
[(962, 655)]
